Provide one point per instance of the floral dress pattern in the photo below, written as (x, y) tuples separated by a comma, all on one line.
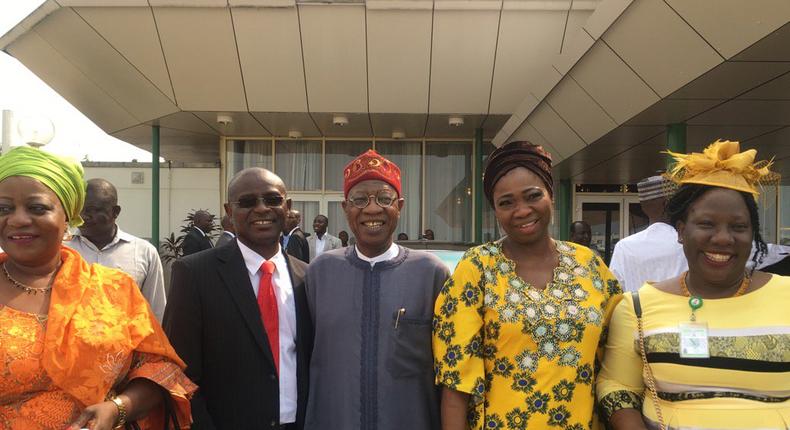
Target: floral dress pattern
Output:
[(527, 356)]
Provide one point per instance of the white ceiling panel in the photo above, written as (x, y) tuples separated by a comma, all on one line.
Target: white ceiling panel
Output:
[(774, 47), (399, 60), (334, 54), (528, 39), (462, 60), (660, 46), (605, 14), (747, 112), (413, 125), (190, 3), (242, 124), (49, 65), (103, 3), (200, 50), (605, 77), (132, 32), (67, 33), (358, 125), (544, 82), (776, 89), (271, 58), (439, 127), (528, 133), (280, 123), (573, 48), (174, 145), (561, 137), (185, 121), (672, 111), (752, 19), (731, 78), (580, 111)]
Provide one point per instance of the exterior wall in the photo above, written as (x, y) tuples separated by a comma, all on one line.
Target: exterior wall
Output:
[(182, 189)]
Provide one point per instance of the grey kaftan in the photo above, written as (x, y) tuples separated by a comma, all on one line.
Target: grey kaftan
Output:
[(366, 373)]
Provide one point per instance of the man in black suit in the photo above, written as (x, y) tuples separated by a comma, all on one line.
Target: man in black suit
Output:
[(197, 238), (295, 240), (252, 374)]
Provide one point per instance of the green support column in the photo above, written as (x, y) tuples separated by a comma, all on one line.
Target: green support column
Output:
[(676, 140), (478, 187), (155, 186), (564, 209)]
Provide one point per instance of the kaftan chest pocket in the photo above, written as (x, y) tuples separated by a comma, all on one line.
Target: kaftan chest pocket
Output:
[(410, 348)]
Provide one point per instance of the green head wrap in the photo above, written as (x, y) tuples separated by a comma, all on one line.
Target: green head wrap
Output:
[(61, 175)]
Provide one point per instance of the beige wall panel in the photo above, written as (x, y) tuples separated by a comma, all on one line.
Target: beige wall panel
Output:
[(200, 51), (699, 136), (605, 14), (574, 48), (528, 39), (774, 47), (776, 89), (439, 127), (620, 92), (189, 3), (358, 125), (132, 31), (243, 124), (103, 3), (747, 112), (580, 111), (399, 60), (561, 137), (68, 34), (411, 124), (463, 60), (333, 37), (730, 79), (280, 123), (544, 82), (527, 132), (49, 65), (271, 58), (660, 47), (518, 117), (753, 20), (185, 121), (671, 111)]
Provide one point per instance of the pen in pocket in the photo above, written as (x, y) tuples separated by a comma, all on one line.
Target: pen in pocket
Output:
[(399, 314)]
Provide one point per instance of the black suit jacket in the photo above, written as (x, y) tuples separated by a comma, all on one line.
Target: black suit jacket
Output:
[(213, 321), (298, 246), (195, 241)]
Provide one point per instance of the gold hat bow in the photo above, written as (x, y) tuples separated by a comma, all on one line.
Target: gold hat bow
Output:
[(722, 164)]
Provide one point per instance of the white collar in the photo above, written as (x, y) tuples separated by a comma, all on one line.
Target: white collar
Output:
[(387, 255), (292, 231), (120, 235), (228, 232), (253, 260), (201, 231)]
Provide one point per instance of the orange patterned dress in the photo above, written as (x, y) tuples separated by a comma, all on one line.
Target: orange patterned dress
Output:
[(99, 335)]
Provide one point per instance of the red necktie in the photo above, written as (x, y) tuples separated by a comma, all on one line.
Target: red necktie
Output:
[(267, 304)]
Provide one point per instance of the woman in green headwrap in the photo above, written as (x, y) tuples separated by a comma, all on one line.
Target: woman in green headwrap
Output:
[(79, 346)]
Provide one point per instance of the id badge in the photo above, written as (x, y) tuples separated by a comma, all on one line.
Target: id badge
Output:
[(694, 340)]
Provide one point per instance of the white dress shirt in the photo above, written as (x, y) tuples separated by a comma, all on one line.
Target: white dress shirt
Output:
[(387, 255), (286, 312), (132, 255), (653, 254), (319, 244)]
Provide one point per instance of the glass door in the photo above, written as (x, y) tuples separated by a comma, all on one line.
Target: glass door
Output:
[(611, 218)]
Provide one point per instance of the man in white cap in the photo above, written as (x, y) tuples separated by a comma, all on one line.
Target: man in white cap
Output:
[(654, 253)]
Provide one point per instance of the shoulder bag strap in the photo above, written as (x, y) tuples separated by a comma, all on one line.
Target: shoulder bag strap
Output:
[(651, 383)]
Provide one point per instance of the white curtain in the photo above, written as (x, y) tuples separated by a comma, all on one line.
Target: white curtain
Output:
[(338, 154), (248, 153), (448, 192), (408, 157), (298, 163)]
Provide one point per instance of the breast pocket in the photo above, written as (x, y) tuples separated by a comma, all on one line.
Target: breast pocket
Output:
[(410, 348)]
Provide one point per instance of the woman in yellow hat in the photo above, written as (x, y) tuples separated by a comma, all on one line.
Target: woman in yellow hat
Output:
[(709, 349)]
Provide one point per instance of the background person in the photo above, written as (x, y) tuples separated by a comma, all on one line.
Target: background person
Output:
[(100, 240), (581, 233), (735, 375), (237, 315), (343, 236), (78, 343), (294, 240), (197, 239), (321, 241), (228, 232), (518, 325)]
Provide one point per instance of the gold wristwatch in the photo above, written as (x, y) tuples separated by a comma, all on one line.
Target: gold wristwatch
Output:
[(121, 421)]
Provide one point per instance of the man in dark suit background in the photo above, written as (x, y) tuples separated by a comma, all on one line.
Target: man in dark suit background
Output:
[(197, 238), (251, 375), (294, 238), (228, 232)]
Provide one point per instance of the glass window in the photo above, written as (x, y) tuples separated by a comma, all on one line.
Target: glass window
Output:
[(242, 154), (337, 219), (338, 154), (448, 190), (490, 225), (408, 156), (298, 163), (309, 210)]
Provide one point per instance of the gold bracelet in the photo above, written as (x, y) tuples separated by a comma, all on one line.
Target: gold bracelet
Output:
[(121, 421)]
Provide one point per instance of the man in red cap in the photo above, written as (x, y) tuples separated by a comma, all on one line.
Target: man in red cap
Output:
[(372, 307)]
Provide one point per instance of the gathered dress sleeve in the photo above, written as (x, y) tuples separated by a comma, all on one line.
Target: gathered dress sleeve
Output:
[(458, 330), (620, 384)]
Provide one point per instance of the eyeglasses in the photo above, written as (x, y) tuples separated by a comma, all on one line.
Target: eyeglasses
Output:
[(252, 201), (383, 198)]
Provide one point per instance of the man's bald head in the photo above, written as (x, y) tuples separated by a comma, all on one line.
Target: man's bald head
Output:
[(258, 172), (103, 189)]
